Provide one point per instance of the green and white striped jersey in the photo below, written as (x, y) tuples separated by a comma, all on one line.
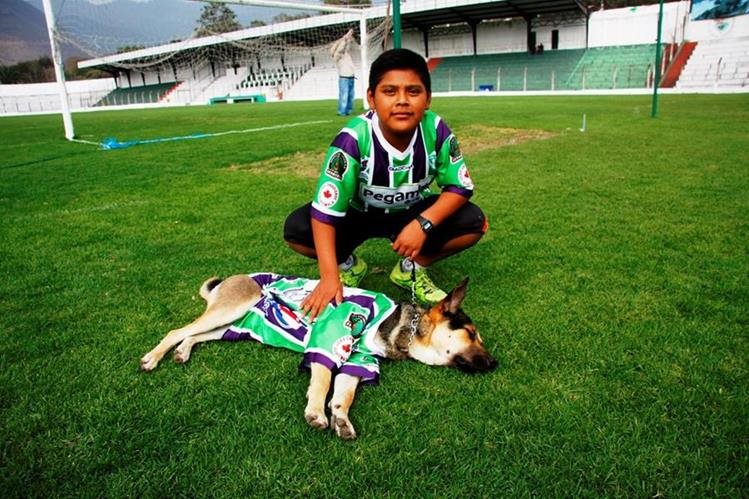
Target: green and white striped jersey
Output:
[(362, 170)]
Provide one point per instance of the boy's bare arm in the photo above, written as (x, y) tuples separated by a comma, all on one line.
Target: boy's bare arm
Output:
[(329, 287), (409, 242), (447, 204)]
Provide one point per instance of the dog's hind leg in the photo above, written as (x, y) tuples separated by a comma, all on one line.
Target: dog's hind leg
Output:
[(212, 319), (182, 352), (344, 391), (319, 384), (226, 304)]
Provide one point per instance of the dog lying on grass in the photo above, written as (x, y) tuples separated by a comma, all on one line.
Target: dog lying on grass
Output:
[(346, 339)]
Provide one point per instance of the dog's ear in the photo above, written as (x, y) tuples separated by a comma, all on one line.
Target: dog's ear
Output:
[(455, 298)]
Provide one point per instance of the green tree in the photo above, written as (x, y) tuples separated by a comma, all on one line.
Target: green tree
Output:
[(73, 72), (41, 70), (216, 18), (129, 48), (282, 17), (35, 71)]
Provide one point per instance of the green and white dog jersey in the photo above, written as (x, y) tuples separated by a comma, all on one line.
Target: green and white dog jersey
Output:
[(342, 338), (363, 171)]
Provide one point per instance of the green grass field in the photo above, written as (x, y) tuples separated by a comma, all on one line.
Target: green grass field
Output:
[(612, 287)]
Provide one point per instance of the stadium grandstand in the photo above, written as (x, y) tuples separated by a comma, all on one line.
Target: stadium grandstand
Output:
[(472, 46)]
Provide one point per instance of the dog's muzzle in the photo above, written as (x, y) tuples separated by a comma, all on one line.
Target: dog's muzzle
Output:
[(476, 362)]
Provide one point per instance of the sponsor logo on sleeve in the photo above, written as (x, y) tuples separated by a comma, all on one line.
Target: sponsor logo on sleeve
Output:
[(465, 177), (455, 153), (284, 316), (328, 194), (280, 316), (342, 347), (337, 165)]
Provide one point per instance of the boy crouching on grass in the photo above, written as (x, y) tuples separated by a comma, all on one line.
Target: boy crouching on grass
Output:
[(375, 183)]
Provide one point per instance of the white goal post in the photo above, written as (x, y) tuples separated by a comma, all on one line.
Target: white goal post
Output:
[(166, 57), (67, 118)]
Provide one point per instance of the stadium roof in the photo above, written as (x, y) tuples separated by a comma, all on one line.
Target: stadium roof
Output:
[(420, 14), (473, 12)]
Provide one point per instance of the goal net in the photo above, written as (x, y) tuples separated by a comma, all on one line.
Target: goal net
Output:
[(172, 52)]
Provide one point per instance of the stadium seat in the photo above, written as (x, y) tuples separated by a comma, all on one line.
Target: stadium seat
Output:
[(508, 71), (625, 66), (145, 94)]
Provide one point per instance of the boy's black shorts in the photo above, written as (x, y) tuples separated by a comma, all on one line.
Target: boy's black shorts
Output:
[(356, 227)]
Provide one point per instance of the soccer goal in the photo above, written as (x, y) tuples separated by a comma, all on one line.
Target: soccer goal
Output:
[(172, 52)]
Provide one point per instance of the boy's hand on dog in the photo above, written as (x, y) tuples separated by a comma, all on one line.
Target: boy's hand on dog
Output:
[(410, 240), (327, 290)]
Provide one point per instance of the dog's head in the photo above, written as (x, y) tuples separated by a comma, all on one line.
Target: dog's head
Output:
[(452, 338)]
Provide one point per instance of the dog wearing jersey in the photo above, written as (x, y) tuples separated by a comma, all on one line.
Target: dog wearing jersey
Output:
[(342, 346)]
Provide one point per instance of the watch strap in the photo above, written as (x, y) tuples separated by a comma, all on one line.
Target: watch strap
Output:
[(426, 224)]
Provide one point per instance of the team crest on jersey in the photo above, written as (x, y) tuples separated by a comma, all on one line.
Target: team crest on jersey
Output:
[(354, 320), (465, 177), (342, 347), (328, 194), (432, 159), (455, 153), (337, 165)]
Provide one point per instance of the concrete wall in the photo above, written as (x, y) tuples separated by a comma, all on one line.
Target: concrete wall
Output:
[(638, 25), (45, 97), (731, 27)]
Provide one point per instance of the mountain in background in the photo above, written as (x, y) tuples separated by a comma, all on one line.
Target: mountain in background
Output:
[(102, 28), (95, 29), (23, 32)]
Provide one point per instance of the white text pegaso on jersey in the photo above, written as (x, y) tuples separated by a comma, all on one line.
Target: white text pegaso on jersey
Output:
[(385, 197)]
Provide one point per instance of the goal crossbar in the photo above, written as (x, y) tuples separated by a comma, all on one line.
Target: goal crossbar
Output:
[(291, 5)]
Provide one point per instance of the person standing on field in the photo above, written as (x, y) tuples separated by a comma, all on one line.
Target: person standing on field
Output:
[(340, 51), (375, 183)]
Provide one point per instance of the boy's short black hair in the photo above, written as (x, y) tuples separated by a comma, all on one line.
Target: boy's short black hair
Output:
[(399, 59)]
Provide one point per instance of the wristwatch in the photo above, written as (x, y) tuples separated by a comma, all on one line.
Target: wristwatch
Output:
[(426, 225)]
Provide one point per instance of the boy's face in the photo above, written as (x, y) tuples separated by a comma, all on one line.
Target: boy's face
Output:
[(399, 100)]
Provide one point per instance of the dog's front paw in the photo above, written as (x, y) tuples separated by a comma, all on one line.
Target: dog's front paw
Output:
[(343, 427), (316, 419), (182, 354), (149, 362)]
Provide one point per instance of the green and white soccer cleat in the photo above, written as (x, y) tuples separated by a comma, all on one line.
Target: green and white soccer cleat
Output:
[(425, 291), (353, 276)]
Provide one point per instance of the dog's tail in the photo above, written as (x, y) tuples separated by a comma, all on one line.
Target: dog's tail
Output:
[(208, 286)]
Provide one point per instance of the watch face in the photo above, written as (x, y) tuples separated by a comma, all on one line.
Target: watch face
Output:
[(426, 225)]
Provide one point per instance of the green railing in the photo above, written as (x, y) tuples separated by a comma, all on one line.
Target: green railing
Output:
[(577, 69)]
